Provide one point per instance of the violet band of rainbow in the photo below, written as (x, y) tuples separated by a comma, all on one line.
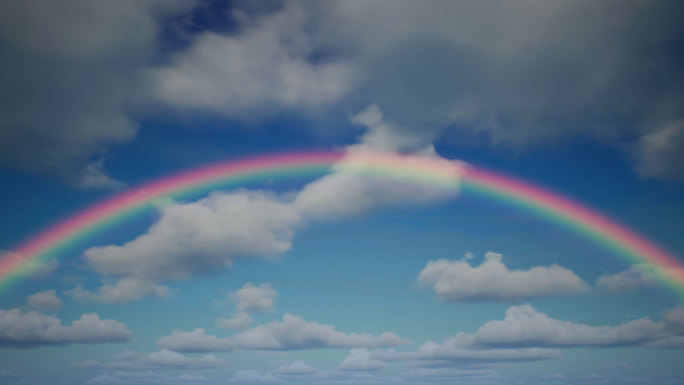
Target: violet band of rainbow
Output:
[(589, 223)]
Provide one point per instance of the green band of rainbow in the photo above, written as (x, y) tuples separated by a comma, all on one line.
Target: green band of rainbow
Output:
[(78, 227)]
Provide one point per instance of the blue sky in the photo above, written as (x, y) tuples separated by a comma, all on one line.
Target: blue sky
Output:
[(341, 278)]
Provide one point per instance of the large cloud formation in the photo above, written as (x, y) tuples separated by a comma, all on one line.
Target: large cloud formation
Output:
[(210, 234), (521, 74), (190, 239)]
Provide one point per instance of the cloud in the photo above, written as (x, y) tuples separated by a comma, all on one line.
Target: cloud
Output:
[(296, 368), (348, 192), (72, 71), (658, 153), (21, 329), (191, 239), (361, 360), (526, 334), (261, 70), (292, 333), (164, 359), (458, 280), (45, 300), (240, 321), (525, 326), (251, 298), (636, 277)]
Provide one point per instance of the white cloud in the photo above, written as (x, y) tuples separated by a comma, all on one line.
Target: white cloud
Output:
[(296, 368), (192, 239), (525, 326), (635, 277), (361, 360), (263, 69), (18, 328), (164, 359), (239, 322), (201, 237), (251, 298), (292, 333), (355, 187), (458, 280), (45, 300)]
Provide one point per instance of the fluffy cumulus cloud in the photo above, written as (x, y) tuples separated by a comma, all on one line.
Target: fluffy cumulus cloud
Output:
[(525, 334), (361, 360), (251, 298), (354, 189), (191, 239), (25, 329), (164, 359), (46, 300), (292, 333), (239, 321), (265, 68), (525, 326), (296, 368), (459, 280), (634, 278)]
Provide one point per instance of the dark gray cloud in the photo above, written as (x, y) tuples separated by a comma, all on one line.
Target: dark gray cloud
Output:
[(517, 74), (69, 73)]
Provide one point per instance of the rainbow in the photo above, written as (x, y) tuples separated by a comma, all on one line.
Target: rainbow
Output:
[(48, 244)]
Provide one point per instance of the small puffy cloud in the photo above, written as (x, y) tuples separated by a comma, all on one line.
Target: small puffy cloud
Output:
[(458, 280), (634, 278), (191, 239), (292, 333), (164, 359), (239, 322), (251, 298), (45, 300), (296, 368), (361, 360), (18, 328)]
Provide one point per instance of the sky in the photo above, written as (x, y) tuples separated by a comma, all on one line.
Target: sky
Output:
[(338, 277)]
